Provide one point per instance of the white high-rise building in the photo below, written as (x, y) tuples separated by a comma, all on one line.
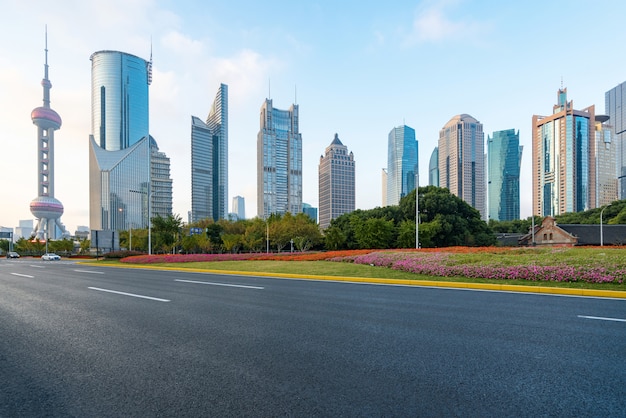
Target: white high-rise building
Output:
[(279, 161), (462, 160), (336, 183)]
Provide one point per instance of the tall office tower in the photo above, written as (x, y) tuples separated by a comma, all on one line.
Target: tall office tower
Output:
[(433, 168), (462, 160), (336, 182), (402, 165), (605, 153), (239, 207), (615, 108), (161, 181), (209, 161), (45, 207), (279, 161), (119, 145), (504, 158), (563, 160)]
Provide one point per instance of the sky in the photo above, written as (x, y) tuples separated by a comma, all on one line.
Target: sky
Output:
[(355, 68)]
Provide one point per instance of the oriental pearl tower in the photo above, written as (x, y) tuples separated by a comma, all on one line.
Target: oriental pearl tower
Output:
[(45, 207)]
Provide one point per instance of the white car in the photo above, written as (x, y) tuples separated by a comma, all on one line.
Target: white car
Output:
[(50, 257)]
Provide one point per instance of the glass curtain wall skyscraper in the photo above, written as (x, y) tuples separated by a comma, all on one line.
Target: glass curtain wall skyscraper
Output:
[(279, 161), (120, 147), (605, 153), (209, 161), (462, 160), (563, 160), (402, 163), (336, 182), (433, 168), (504, 158), (615, 108)]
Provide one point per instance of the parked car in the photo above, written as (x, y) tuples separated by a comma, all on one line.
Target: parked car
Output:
[(50, 257), (12, 254)]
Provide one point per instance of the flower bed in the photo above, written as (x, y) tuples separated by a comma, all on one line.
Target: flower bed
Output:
[(439, 264)]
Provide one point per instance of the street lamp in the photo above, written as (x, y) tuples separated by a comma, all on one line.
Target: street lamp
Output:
[(601, 236), (417, 210)]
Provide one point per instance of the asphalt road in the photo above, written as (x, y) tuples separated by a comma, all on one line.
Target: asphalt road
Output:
[(83, 341)]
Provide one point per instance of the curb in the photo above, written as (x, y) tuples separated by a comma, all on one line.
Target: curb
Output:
[(617, 294)]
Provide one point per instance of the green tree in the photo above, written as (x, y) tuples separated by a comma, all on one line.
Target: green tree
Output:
[(166, 232), (373, 232), (334, 238), (406, 234), (231, 242), (255, 235), (456, 222)]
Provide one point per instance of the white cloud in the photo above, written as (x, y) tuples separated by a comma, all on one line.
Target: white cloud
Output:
[(434, 23)]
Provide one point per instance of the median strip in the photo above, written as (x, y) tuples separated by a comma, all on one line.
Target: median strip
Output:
[(129, 294)]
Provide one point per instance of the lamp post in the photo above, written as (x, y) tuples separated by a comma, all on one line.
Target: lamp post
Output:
[(267, 235), (417, 210), (601, 236)]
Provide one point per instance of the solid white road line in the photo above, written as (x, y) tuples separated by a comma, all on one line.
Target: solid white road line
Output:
[(23, 275), (129, 294), (219, 284), (602, 318), (89, 271), (35, 266)]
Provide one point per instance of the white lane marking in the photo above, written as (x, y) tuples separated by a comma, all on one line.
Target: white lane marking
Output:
[(23, 275), (89, 271), (602, 318), (35, 266), (220, 284), (129, 294)]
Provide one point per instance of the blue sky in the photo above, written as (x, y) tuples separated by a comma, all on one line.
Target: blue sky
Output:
[(359, 69)]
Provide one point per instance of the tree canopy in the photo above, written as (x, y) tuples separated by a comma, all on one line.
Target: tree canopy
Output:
[(444, 220)]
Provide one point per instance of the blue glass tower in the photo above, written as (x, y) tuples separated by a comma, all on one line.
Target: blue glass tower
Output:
[(209, 161), (504, 157), (123, 191), (402, 163)]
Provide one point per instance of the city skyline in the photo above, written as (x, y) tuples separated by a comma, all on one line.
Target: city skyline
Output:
[(391, 62)]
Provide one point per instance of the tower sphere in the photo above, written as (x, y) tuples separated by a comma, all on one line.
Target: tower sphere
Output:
[(46, 207), (46, 118)]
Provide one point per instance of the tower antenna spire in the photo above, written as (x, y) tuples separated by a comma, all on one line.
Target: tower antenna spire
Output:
[(295, 98), (269, 88)]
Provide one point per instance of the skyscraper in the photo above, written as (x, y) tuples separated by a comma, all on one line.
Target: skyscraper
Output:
[(605, 152), (402, 163), (504, 158), (563, 160), (615, 108), (45, 207), (462, 160), (209, 161), (161, 181), (336, 182), (122, 195), (279, 161), (239, 207), (433, 168)]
